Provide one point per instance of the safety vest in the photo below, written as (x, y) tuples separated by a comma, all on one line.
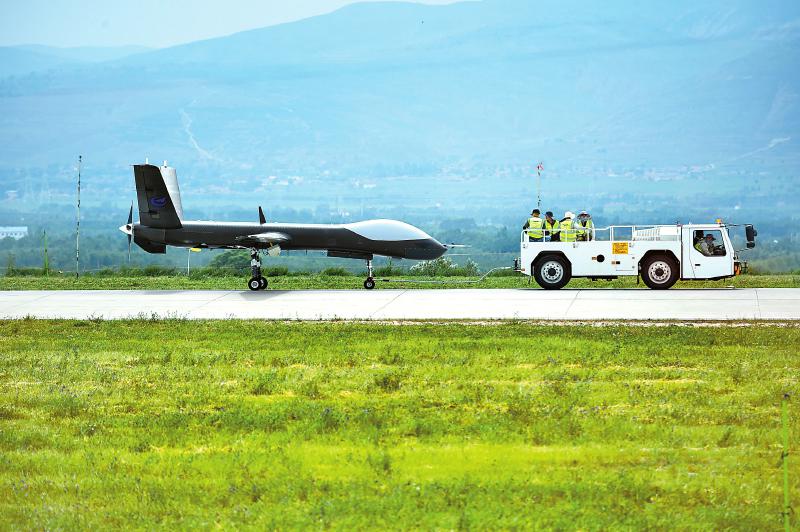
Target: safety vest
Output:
[(551, 228), (703, 248), (567, 230), (584, 226), (535, 226)]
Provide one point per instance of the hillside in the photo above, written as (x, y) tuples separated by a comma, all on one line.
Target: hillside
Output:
[(26, 59), (423, 112)]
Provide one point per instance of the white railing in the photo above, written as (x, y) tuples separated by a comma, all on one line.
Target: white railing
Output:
[(656, 232), (619, 233)]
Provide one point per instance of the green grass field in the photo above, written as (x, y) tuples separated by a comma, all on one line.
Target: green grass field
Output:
[(305, 282), (229, 424)]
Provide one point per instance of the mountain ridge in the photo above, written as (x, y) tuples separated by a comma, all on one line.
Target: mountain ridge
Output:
[(377, 88)]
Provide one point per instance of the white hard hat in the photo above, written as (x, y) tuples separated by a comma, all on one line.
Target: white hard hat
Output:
[(584, 212), (569, 214)]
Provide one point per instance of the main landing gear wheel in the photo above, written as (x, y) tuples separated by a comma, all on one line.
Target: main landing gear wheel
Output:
[(659, 272), (369, 284), (552, 272), (257, 281)]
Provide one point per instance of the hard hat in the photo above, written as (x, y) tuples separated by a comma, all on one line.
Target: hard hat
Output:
[(569, 214), (584, 212), (549, 213)]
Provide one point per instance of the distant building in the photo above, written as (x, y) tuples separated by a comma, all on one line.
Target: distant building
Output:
[(13, 232)]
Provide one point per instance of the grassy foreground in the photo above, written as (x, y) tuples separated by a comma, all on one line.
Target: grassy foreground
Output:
[(224, 424), (310, 281)]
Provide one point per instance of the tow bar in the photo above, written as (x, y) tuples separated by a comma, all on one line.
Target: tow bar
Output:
[(445, 281)]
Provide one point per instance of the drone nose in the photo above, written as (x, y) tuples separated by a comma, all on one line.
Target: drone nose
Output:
[(433, 249)]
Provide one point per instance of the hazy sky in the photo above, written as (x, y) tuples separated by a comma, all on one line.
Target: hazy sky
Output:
[(154, 23)]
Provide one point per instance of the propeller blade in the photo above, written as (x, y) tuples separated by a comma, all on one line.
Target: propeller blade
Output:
[(130, 234), (261, 219)]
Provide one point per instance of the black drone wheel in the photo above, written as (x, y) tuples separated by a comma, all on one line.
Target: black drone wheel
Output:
[(263, 282), (369, 284), (254, 284)]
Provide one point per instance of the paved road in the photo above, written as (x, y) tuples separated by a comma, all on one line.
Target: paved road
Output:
[(477, 304)]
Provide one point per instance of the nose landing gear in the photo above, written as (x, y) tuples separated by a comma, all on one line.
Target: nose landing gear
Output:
[(369, 284), (257, 281)]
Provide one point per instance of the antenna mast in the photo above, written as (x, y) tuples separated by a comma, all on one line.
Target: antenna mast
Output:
[(78, 224), (539, 169)]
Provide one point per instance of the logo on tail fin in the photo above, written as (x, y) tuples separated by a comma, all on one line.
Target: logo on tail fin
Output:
[(158, 202)]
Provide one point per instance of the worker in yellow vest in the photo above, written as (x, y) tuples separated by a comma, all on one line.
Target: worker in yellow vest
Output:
[(705, 245), (584, 227), (567, 226), (535, 227), (551, 227)]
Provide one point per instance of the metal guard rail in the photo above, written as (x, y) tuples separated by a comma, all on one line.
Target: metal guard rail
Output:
[(616, 233)]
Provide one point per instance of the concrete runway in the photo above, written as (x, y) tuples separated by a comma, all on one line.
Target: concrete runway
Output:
[(472, 304)]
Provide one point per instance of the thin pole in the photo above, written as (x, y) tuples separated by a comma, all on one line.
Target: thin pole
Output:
[(539, 169), (188, 257), (78, 224), (786, 507), (46, 261)]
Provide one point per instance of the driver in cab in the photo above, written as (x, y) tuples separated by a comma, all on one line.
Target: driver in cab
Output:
[(706, 246)]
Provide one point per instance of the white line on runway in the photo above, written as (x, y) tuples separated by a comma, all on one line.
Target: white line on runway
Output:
[(372, 316)]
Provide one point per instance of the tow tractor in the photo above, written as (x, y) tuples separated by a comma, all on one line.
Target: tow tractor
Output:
[(659, 254)]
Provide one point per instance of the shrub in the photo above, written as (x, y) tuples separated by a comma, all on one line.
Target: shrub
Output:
[(155, 270), (130, 271), (10, 265), (504, 273), (755, 270), (434, 268), (25, 272), (275, 271), (204, 273), (212, 271), (470, 269), (335, 272), (231, 261), (389, 269), (445, 267)]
